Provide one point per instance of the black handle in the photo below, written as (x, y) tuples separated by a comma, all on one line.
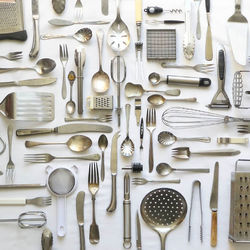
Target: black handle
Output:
[(221, 65), (173, 21), (141, 129), (151, 10), (208, 6), (204, 82), (20, 35)]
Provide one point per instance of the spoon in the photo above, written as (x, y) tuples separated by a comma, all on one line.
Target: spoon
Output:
[(102, 143), (127, 146), (118, 34), (155, 78), (136, 90), (70, 105), (82, 35), (76, 143), (43, 66), (165, 169), (100, 80), (158, 100)]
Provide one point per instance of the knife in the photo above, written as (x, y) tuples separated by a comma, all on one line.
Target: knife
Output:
[(64, 22), (209, 44), (80, 217), (36, 34), (105, 7), (30, 82), (66, 129), (138, 18), (113, 168), (214, 205), (138, 231)]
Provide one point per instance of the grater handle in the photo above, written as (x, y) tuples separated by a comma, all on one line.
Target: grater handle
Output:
[(20, 35)]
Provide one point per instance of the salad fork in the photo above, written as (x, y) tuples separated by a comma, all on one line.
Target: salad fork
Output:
[(38, 201), (143, 181), (78, 11), (10, 168), (13, 56), (64, 57)]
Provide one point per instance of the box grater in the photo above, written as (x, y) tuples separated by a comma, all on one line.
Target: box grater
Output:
[(100, 102), (239, 229), (11, 20)]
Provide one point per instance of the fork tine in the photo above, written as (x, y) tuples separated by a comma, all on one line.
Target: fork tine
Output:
[(147, 117), (97, 173), (154, 116), (66, 50)]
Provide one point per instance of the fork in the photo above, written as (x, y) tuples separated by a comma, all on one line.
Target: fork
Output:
[(151, 125), (243, 128), (143, 181), (139, 65), (10, 168), (104, 118), (78, 11), (64, 57), (202, 68), (13, 56), (38, 201), (93, 185), (45, 158)]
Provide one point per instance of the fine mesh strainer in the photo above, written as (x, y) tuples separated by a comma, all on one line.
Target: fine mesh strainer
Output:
[(163, 209)]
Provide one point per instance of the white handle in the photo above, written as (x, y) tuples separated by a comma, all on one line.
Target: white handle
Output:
[(61, 220), (12, 201)]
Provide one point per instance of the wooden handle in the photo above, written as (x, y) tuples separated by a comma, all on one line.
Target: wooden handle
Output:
[(213, 241), (138, 10)]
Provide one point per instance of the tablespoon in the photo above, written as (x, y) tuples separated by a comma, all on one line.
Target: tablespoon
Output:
[(70, 105)]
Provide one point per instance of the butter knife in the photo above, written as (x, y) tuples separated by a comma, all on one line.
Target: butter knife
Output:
[(36, 34), (30, 82), (209, 44), (80, 217)]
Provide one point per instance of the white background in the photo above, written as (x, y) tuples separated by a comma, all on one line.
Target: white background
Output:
[(111, 225)]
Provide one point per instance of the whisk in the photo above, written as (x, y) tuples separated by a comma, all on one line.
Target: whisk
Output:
[(180, 117)]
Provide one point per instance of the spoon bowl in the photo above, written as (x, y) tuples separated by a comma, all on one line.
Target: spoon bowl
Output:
[(83, 35), (154, 78), (44, 66), (166, 138), (79, 143), (103, 144), (70, 105)]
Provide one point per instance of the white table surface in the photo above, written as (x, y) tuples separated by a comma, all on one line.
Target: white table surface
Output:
[(111, 225)]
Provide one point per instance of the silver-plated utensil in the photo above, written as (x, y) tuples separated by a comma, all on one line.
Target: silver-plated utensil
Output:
[(22, 186), (13, 56), (78, 11), (80, 217), (70, 105), (38, 201), (198, 25), (58, 5), (47, 239), (143, 181), (138, 232), (102, 118), (10, 168), (103, 144), (64, 57), (105, 7), (201, 68), (64, 22), (30, 82)]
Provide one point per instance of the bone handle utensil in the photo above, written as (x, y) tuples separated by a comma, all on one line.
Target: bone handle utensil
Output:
[(229, 140), (209, 44), (138, 17)]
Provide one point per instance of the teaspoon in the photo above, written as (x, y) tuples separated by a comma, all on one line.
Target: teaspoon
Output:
[(103, 143), (70, 105)]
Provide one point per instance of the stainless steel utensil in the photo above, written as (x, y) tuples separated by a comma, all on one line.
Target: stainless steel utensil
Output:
[(39, 201), (201, 68), (100, 102), (47, 239), (102, 118), (135, 167), (166, 138), (138, 232), (64, 22), (127, 146), (153, 10), (243, 129), (198, 25), (143, 181), (64, 57), (22, 186), (229, 140), (30, 82), (103, 144), (58, 5), (209, 41), (137, 110), (165, 169), (166, 21), (10, 168), (93, 185), (141, 133), (80, 217), (168, 211), (184, 153), (70, 105), (13, 56), (78, 11), (105, 7)]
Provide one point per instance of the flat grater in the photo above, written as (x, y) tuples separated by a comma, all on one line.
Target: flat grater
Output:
[(161, 44), (239, 229), (100, 102), (11, 20)]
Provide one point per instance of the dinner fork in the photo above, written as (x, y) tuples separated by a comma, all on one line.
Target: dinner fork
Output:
[(243, 128), (201, 68), (151, 125), (38, 201), (103, 118), (64, 57), (93, 184), (78, 11), (13, 56), (143, 181), (10, 168)]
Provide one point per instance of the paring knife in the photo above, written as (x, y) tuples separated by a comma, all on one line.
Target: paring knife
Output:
[(105, 7), (138, 232), (66, 129), (30, 82), (209, 44), (36, 34), (214, 205), (80, 217)]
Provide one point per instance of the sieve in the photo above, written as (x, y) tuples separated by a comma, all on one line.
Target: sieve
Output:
[(61, 182), (163, 209)]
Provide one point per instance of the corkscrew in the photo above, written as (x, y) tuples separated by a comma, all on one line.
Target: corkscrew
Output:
[(152, 10)]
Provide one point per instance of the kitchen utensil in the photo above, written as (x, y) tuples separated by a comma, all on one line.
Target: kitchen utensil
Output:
[(100, 102), (118, 76), (197, 184), (161, 44), (201, 68), (118, 37), (42, 67), (214, 205), (138, 18), (139, 63), (13, 56), (126, 213), (127, 146), (155, 78), (64, 22), (66, 129), (158, 100), (152, 10), (165, 169), (103, 144), (141, 133), (221, 100), (113, 168), (136, 167), (180, 117), (151, 125), (76, 143), (11, 20), (138, 232), (168, 21), (36, 33), (229, 140), (58, 6), (143, 181), (45, 158), (78, 11), (64, 57), (105, 7), (136, 90), (2, 149), (184, 153), (30, 82), (237, 26), (82, 35), (39, 201), (47, 239), (189, 40), (80, 217), (209, 43), (10, 168), (166, 138), (137, 110), (61, 182), (100, 81), (243, 129), (198, 25), (93, 184), (102, 118), (168, 212), (21, 186), (31, 219), (70, 105)]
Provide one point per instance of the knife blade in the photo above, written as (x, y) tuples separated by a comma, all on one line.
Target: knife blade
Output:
[(80, 217), (209, 44), (214, 205), (138, 231), (66, 129), (30, 82), (105, 7)]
